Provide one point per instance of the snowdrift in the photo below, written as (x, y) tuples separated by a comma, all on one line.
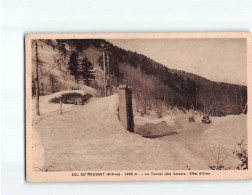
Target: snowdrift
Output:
[(91, 137), (150, 130), (47, 107), (225, 131)]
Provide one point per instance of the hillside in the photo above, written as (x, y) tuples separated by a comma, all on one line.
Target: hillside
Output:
[(155, 86)]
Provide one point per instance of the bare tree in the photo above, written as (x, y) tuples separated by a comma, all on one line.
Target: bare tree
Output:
[(52, 81), (219, 156), (37, 81), (240, 152)]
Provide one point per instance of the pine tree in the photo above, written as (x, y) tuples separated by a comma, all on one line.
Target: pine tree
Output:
[(74, 66), (62, 48), (87, 71)]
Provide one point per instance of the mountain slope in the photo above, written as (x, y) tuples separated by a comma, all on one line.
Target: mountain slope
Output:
[(154, 85)]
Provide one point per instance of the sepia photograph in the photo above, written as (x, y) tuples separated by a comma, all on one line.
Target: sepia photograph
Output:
[(126, 97), (153, 106)]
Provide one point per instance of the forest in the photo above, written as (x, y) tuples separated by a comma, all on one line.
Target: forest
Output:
[(155, 86)]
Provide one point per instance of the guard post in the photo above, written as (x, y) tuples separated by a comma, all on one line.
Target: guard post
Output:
[(125, 107)]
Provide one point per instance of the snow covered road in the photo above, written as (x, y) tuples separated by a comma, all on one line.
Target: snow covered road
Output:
[(90, 137)]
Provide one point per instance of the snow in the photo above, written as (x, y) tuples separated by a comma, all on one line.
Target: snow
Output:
[(47, 107), (91, 137), (226, 130), (37, 152)]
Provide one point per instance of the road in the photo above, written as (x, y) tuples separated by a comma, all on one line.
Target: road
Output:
[(91, 137)]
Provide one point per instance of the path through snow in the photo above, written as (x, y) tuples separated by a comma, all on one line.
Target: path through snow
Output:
[(90, 137)]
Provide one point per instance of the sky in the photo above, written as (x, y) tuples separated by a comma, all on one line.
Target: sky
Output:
[(221, 60)]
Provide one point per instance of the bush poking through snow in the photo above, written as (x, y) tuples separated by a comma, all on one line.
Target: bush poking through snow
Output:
[(219, 157), (240, 153), (71, 98), (150, 130)]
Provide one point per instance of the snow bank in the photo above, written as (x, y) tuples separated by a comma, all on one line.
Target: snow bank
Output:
[(225, 130), (47, 107), (91, 137), (88, 90)]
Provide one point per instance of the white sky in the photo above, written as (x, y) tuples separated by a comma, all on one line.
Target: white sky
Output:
[(222, 60)]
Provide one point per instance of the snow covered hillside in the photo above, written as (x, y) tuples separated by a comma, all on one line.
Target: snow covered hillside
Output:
[(53, 68)]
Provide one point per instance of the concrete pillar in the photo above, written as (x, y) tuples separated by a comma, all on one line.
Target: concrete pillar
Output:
[(125, 107)]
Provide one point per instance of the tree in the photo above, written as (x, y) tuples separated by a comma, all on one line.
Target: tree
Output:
[(74, 66), (240, 152), (87, 71), (62, 48), (37, 81), (52, 82)]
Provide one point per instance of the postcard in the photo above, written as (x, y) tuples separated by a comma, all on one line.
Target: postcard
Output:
[(138, 106)]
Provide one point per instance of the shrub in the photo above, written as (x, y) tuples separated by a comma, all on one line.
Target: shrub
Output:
[(239, 152), (71, 98)]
